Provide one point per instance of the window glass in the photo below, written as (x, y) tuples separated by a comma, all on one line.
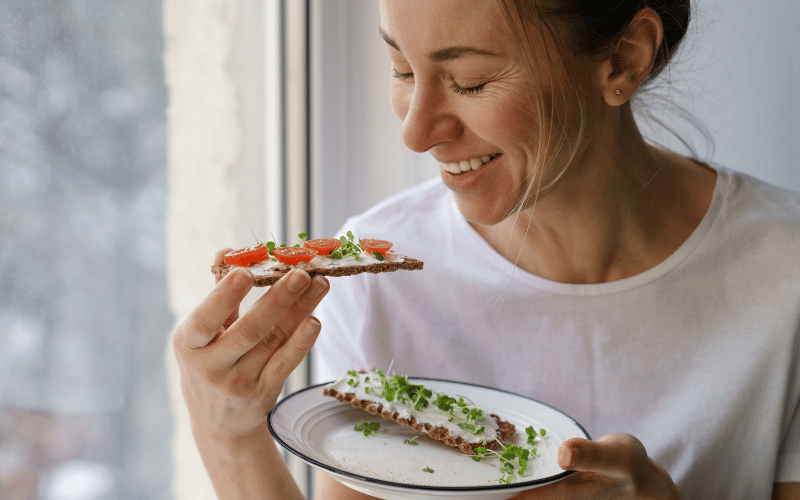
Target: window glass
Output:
[(84, 318)]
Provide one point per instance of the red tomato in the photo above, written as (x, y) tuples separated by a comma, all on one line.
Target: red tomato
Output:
[(323, 246), (247, 256), (380, 246), (293, 255)]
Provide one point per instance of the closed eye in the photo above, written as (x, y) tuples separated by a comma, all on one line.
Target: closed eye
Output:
[(401, 76), (466, 90), (454, 86)]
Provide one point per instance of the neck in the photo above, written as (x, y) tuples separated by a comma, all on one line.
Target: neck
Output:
[(620, 208)]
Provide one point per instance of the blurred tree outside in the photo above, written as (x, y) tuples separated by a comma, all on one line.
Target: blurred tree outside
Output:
[(84, 318)]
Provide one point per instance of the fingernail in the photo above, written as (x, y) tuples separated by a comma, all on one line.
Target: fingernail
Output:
[(312, 327), (297, 281), (318, 286), (241, 279), (569, 456)]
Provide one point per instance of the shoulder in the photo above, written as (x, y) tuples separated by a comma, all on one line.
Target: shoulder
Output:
[(756, 222), (755, 205), (751, 195)]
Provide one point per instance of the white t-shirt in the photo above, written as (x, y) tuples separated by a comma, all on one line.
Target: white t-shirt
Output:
[(698, 357)]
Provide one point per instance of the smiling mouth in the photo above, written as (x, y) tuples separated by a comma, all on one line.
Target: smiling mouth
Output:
[(463, 166)]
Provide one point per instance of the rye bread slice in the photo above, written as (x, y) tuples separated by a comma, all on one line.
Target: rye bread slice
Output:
[(272, 276), (504, 433)]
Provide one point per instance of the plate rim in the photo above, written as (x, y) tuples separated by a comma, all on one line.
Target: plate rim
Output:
[(393, 484)]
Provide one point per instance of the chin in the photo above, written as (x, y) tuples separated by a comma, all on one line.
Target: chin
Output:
[(482, 214)]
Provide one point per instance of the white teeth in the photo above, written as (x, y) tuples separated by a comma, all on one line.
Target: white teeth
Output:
[(465, 165)]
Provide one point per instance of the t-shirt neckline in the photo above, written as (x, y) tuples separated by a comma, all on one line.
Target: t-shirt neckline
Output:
[(522, 277)]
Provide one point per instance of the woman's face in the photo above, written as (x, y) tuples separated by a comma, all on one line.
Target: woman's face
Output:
[(464, 94)]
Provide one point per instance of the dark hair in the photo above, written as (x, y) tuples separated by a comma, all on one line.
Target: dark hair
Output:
[(592, 28)]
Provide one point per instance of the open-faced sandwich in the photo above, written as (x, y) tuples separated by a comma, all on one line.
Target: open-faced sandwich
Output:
[(323, 256), (453, 420)]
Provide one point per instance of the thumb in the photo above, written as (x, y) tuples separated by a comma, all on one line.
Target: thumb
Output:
[(610, 454), (292, 352)]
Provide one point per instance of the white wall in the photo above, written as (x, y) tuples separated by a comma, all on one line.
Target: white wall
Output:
[(738, 75)]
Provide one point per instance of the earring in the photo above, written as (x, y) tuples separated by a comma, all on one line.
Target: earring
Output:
[(618, 91)]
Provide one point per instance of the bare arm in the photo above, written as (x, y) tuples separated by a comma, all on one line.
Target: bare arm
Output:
[(250, 467), (328, 488)]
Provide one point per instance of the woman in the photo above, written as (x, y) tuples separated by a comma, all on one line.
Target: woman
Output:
[(642, 292)]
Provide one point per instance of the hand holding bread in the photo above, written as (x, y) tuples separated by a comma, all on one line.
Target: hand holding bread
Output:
[(233, 367)]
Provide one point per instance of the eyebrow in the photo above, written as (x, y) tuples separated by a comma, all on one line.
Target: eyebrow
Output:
[(442, 54)]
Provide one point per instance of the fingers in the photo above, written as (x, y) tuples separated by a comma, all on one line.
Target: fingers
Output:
[(291, 353), (611, 454), (220, 254), (287, 327), (262, 320), (218, 257), (206, 321)]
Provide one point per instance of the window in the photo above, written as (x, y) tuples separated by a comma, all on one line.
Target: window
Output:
[(84, 314)]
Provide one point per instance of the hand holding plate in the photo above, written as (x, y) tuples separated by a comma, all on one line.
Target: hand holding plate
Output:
[(616, 466)]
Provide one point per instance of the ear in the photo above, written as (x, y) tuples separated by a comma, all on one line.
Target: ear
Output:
[(633, 58)]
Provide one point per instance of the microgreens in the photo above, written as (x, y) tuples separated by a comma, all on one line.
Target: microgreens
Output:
[(256, 238), (398, 388), (469, 413), (427, 469), (349, 247), (367, 427), (513, 458), (271, 245), (411, 441)]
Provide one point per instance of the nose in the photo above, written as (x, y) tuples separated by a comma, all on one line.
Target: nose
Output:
[(428, 120)]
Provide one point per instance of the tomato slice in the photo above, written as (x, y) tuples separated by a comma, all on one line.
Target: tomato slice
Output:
[(247, 256), (293, 255), (323, 246), (371, 245)]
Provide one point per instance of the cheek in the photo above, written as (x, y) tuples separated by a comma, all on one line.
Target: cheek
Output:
[(512, 120)]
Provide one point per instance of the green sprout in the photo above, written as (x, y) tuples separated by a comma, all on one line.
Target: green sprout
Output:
[(513, 458), (367, 427)]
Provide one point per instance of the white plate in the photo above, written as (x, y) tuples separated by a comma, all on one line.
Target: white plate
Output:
[(319, 430)]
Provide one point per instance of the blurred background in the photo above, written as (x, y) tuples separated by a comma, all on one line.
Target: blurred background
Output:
[(84, 314)]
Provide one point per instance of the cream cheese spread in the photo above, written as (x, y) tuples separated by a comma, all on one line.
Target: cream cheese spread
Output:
[(369, 386), (323, 262)]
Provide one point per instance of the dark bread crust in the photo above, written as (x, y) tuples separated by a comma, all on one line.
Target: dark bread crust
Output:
[(407, 264), (505, 432)]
